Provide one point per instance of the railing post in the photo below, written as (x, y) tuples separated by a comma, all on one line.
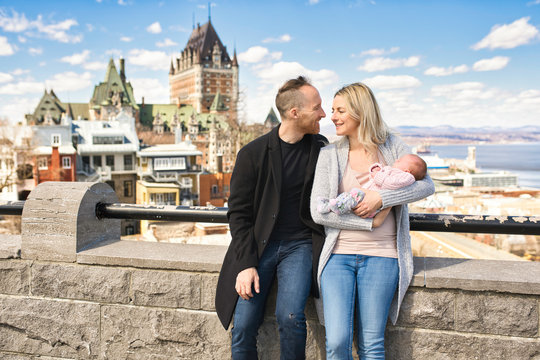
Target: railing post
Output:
[(59, 219)]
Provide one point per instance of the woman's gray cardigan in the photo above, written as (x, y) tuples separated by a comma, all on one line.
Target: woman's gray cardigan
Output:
[(328, 174)]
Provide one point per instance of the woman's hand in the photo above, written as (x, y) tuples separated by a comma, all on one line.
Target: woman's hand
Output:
[(372, 202)]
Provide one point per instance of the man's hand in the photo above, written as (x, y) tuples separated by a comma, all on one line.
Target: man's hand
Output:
[(245, 279), (370, 204)]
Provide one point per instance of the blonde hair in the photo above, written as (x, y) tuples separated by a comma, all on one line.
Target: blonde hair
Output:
[(361, 105)]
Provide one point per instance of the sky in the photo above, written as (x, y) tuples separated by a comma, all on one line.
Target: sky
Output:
[(459, 63)]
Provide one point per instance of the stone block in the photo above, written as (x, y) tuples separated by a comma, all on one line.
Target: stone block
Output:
[(143, 254), (59, 219), (14, 277), (501, 314), (55, 328), (93, 283), (427, 309), (10, 246), (410, 344), (166, 288), (208, 292), (518, 277), (130, 332), (6, 356)]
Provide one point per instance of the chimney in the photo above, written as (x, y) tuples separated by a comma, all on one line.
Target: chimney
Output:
[(142, 105), (122, 71)]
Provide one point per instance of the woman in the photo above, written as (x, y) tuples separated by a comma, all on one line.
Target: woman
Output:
[(363, 260)]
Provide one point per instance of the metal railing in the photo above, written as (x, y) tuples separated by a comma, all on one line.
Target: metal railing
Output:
[(524, 225)]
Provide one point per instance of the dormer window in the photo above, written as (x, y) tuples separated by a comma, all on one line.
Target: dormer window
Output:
[(56, 139)]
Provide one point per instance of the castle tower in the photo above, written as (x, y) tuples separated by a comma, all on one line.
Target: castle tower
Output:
[(203, 70)]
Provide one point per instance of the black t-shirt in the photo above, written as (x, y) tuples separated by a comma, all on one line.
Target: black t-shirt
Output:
[(294, 159)]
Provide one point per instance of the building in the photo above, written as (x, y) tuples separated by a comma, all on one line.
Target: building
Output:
[(215, 189), (204, 70), (168, 174), (16, 159), (54, 154), (106, 153)]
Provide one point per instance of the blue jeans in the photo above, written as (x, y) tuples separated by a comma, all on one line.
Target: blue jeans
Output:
[(367, 283), (290, 261)]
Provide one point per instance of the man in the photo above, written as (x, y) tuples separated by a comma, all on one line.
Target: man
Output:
[(273, 234)]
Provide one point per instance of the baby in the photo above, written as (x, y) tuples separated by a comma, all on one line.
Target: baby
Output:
[(406, 170)]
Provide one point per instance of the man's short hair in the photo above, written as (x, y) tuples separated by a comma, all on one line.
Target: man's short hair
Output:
[(289, 95)]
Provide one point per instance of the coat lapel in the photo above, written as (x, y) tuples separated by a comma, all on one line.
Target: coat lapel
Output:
[(275, 158)]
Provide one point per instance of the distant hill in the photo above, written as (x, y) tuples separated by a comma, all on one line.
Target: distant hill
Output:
[(449, 134)]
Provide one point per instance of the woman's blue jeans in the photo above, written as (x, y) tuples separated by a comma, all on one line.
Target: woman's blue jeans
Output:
[(290, 261), (367, 283)]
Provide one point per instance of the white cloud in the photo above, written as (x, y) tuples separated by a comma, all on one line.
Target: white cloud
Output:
[(58, 31), (166, 43), (377, 52), (35, 51), (5, 77), (17, 23), (384, 82), (18, 72), (22, 88), (495, 63), (154, 28), (155, 60), (54, 31), (126, 39), (76, 59), (5, 47), (509, 36), (465, 92), (279, 72), (441, 71), (258, 54), (151, 89), (122, 2), (17, 107), (21, 39), (285, 38), (90, 27), (535, 2), (313, 2), (70, 81), (381, 63), (95, 65), (114, 53)]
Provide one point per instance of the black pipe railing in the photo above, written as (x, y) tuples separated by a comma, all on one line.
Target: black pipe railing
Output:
[(524, 225)]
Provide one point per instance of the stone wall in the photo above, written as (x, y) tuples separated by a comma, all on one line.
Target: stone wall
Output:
[(103, 298)]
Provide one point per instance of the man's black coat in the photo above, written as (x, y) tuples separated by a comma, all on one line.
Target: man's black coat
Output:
[(253, 210)]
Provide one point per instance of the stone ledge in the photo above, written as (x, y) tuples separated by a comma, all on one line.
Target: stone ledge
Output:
[(10, 246), (151, 255), (518, 277)]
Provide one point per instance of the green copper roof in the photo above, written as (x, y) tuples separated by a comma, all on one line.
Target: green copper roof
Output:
[(271, 119), (105, 92), (49, 104), (218, 104)]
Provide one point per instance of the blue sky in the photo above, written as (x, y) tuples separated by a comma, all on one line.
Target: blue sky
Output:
[(462, 63)]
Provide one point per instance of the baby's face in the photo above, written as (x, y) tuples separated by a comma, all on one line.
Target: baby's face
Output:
[(403, 164)]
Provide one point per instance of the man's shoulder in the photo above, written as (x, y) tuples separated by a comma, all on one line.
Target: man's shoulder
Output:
[(321, 140)]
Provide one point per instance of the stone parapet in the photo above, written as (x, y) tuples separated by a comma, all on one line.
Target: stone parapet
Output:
[(113, 299)]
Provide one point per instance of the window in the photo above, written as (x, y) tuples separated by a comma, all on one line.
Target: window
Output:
[(109, 161), (130, 230), (128, 188), (100, 140), (97, 160), (55, 139), (128, 162), (161, 163), (110, 183), (43, 163), (214, 189), (178, 163), (66, 162), (163, 199), (187, 182)]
